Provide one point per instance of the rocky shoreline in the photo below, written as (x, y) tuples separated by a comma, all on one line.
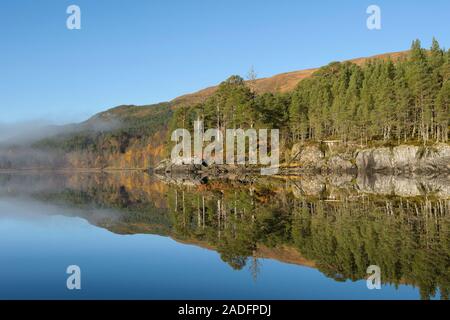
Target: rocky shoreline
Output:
[(405, 170), (402, 159)]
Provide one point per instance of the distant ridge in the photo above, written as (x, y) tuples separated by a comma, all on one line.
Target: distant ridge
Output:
[(282, 82)]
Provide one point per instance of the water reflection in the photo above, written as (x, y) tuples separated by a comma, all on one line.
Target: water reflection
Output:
[(337, 225)]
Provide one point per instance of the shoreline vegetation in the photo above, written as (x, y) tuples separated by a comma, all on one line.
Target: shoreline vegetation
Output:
[(389, 113)]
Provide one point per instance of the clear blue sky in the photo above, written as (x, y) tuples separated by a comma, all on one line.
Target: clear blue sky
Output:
[(142, 51)]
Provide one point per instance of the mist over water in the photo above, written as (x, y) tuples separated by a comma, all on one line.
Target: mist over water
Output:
[(25, 133), (18, 149)]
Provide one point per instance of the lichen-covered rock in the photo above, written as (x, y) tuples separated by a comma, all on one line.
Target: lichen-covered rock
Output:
[(436, 158), (375, 159), (307, 155), (405, 158)]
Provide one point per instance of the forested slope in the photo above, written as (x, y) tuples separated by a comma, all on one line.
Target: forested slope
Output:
[(385, 100), (380, 100)]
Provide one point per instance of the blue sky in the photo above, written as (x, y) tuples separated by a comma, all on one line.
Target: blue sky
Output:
[(142, 52)]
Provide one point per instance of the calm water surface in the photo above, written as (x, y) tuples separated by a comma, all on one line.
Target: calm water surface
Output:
[(135, 237)]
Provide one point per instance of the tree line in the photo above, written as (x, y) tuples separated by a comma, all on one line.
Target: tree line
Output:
[(382, 100)]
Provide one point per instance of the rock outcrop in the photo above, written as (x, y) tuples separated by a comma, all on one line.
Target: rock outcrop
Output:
[(312, 159), (309, 155), (405, 158)]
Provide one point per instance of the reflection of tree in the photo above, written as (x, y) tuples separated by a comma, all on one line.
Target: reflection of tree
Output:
[(410, 246), (408, 238), (254, 267)]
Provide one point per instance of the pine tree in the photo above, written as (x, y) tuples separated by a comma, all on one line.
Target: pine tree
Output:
[(353, 101), (436, 61), (443, 112), (420, 82), (445, 70), (403, 99)]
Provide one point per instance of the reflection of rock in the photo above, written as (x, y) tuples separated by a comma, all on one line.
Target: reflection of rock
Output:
[(308, 187), (187, 179), (340, 180), (341, 186), (163, 166), (335, 186), (404, 186), (329, 186)]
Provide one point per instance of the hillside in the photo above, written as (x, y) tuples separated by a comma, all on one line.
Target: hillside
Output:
[(384, 99), (283, 82)]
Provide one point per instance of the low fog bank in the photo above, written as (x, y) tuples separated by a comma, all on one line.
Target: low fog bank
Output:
[(16, 142), (29, 158), (16, 151), (26, 133)]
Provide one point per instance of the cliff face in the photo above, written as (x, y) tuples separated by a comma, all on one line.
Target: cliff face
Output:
[(322, 159), (405, 158), (400, 159)]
